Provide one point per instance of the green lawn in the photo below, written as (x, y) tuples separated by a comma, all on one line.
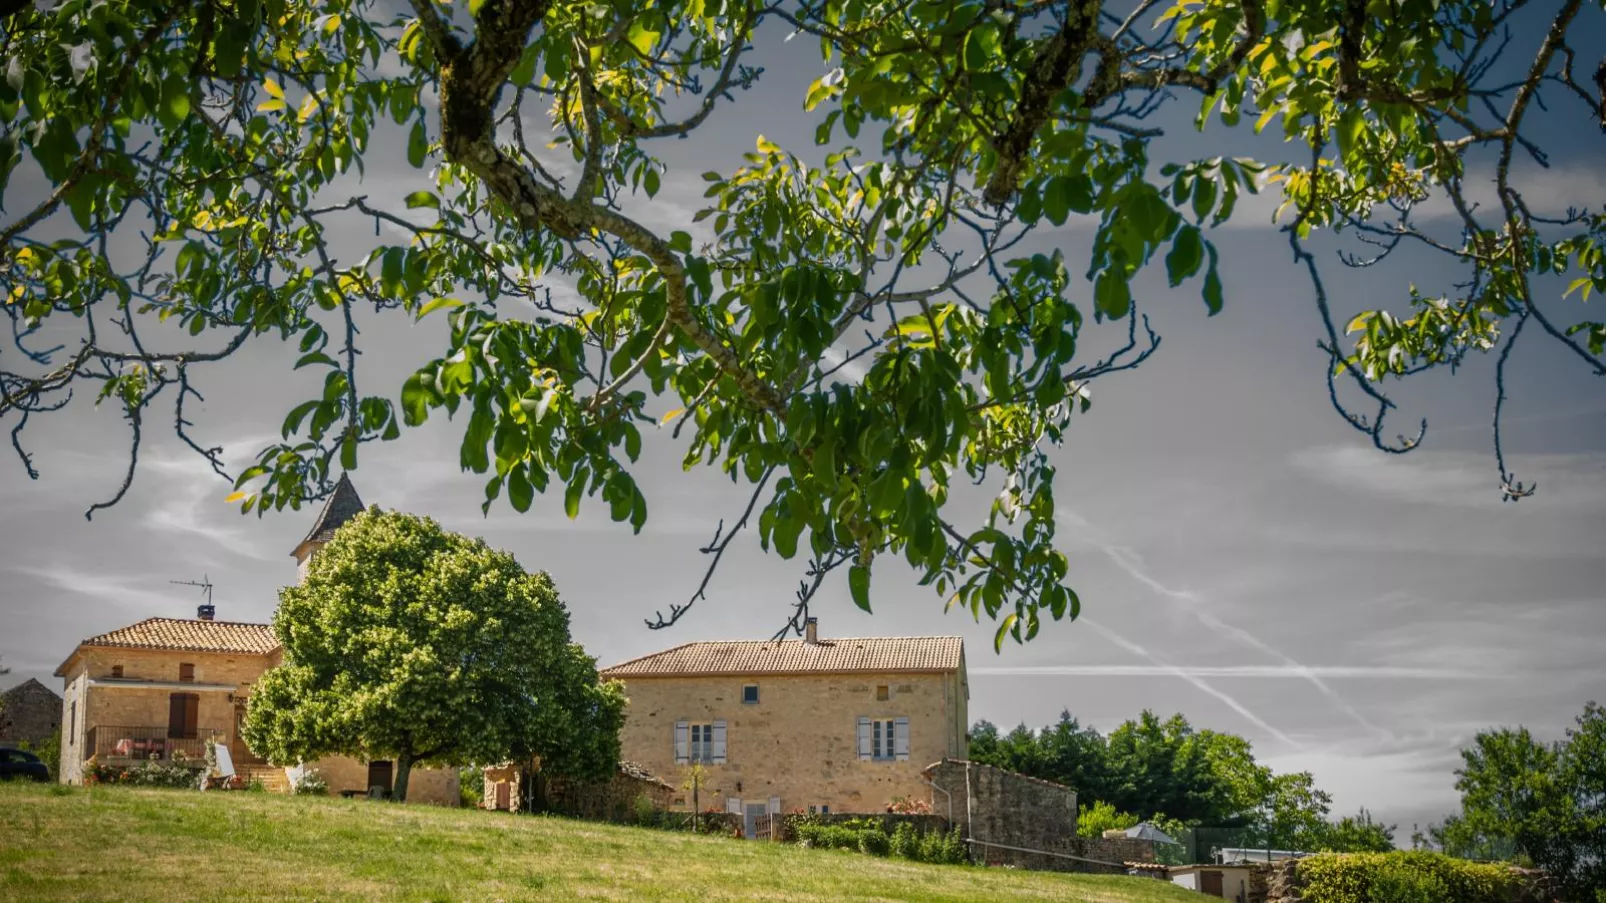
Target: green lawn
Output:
[(125, 844)]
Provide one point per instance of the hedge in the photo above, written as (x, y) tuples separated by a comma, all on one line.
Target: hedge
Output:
[(1403, 877)]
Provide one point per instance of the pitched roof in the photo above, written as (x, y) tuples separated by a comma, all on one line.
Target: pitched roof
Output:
[(343, 505), (28, 687), (834, 656), (190, 635)]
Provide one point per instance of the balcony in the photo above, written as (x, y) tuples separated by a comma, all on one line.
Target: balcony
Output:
[(131, 745)]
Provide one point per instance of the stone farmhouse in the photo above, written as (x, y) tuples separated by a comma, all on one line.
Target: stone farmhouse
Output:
[(822, 725), (163, 687)]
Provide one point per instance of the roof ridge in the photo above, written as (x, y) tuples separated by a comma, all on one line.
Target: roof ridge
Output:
[(642, 658)]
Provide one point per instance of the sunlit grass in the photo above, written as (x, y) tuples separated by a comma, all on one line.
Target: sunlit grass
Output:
[(127, 844)]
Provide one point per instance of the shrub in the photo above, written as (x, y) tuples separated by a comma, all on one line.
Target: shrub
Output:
[(953, 851), (311, 782), (838, 837), (146, 774), (903, 805), (906, 841), (875, 842), (1403, 876), (1397, 882), (931, 847)]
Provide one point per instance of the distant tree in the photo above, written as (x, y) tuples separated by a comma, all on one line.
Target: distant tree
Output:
[(1350, 834), (1154, 768), (1546, 803), (1292, 813), (410, 643)]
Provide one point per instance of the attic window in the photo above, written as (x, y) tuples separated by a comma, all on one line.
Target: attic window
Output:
[(117, 670), (186, 672), (750, 694), (883, 693)]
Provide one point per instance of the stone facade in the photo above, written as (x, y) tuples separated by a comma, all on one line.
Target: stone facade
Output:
[(111, 687), (133, 688), (30, 712), (798, 744)]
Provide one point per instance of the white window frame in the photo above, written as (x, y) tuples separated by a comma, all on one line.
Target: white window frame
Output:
[(883, 739), (701, 742)]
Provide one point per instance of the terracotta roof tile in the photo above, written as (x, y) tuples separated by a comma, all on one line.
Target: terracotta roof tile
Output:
[(833, 656), (192, 635)]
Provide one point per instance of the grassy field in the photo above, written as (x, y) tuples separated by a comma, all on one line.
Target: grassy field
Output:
[(123, 844)]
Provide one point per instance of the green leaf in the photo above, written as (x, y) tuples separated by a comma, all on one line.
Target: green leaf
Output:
[(650, 181), (438, 304), (1187, 252), (423, 199), (1212, 283), (641, 38), (680, 241), (519, 491), (175, 106), (1112, 294), (417, 145), (571, 496), (415, 398), (859, 585)]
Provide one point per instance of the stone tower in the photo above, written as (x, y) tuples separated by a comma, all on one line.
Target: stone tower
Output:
[(342, 506)]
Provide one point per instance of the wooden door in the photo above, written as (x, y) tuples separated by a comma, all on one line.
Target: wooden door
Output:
[(504, 794), (1210, 883), (379, 776)]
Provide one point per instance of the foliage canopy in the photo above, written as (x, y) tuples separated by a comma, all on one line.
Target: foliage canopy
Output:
[(202, 157), (1175, 775), (410, 643)]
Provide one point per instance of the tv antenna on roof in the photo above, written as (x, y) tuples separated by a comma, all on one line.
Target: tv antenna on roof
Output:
[(205, 584)]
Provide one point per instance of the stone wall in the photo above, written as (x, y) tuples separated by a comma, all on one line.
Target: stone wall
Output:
[(29, 712), (1015, 820), (799, 742), (616, 799)]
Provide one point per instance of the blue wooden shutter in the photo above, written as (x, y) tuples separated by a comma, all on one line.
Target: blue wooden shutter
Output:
[(864, 738), (901, 739), (682, 743), (719, 743)]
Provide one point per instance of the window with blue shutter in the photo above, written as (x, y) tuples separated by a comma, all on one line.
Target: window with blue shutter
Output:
[(682, 743), (717, 745), (865, 751)]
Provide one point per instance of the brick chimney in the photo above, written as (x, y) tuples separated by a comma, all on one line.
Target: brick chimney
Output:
[(205, 612), (811, 631)]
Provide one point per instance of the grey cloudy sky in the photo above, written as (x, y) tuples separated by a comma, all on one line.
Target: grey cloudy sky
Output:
[(1243, 557)]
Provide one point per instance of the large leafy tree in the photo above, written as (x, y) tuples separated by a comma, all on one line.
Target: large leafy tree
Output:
[(1543, 801), (179, 171), (410, 643)]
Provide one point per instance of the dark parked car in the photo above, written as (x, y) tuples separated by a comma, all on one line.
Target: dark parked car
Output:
[(16, 763)]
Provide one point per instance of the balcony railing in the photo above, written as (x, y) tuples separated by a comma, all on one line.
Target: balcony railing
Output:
[(139, 744)]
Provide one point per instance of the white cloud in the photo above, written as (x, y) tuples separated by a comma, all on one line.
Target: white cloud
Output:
[(1575, 482)]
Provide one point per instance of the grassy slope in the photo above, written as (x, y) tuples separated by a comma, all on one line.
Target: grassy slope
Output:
[(130, 845)]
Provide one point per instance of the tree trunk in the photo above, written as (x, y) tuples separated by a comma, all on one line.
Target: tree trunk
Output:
[(404, 767)]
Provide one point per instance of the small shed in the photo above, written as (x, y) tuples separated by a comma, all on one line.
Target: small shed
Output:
[(1229, 882)]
